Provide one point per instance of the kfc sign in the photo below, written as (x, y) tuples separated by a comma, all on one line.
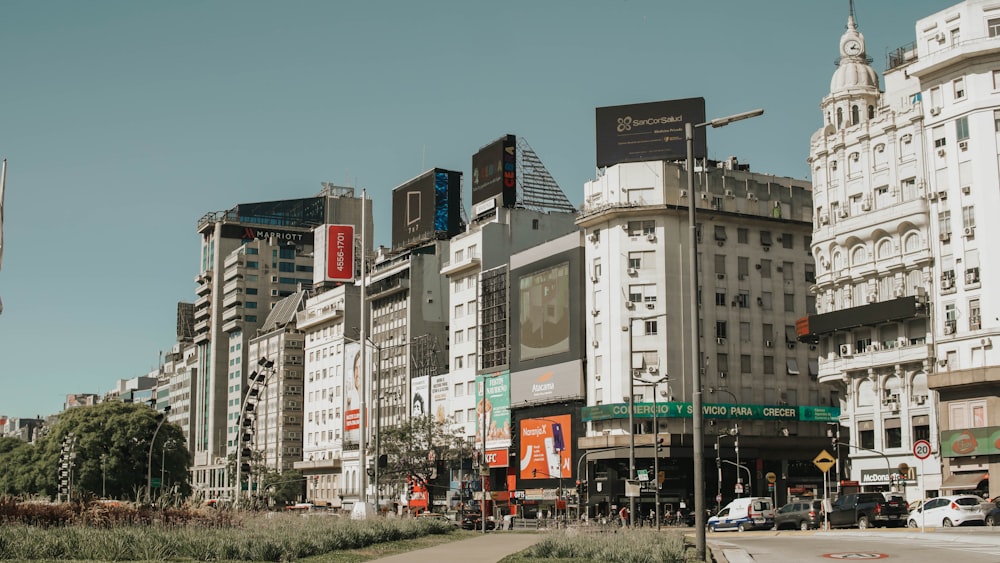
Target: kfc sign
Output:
[(497, 458)]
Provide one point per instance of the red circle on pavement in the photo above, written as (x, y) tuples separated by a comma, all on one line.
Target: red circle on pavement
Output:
[(856, 556)]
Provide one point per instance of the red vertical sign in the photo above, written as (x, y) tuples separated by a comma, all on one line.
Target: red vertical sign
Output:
[(340, 253)]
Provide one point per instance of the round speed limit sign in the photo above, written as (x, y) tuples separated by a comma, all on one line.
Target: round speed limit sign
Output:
[(922, 449)]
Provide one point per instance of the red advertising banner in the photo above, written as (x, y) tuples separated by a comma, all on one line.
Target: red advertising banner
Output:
[(546, 448), (340, 253), (497, 458)]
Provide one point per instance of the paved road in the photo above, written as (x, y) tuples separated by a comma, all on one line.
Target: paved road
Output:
[(485, 548)]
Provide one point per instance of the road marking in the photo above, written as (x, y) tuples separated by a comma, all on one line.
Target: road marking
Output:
[(856, 556)]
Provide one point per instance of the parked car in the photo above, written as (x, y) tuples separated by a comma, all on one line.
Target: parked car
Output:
[(802, 514), (473, 522), (742, 514), (957, 510), (992, 517), (866, 510)]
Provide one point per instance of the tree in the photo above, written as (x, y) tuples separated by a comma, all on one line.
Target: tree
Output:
[(285, 488), (112, 453), (420, 448)]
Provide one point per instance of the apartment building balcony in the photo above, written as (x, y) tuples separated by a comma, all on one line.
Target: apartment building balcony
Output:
[(202, 337), (460, 266), (202, 326), (204, 282), (235, 272), (388, 286), (949, 55), (311, 317), (232, 299), (235, 323), (202, 308)]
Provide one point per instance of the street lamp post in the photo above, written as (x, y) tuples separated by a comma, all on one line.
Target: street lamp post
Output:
[(697, 416), (149, 458), (253, 379), (656, 443), (631, 409)]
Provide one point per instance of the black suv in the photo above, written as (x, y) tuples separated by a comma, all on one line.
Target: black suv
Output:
[(801, 514)]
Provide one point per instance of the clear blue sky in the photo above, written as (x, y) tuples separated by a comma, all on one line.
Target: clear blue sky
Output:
[(124, 122)]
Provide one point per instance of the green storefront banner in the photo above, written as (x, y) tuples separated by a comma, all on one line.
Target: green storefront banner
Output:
[(729, 411), (973, 441)]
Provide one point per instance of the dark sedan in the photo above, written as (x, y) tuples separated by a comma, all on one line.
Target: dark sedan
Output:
[(475, 523)]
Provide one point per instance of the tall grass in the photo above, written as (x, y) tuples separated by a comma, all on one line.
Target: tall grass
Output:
[(637, 546), (277, 537)]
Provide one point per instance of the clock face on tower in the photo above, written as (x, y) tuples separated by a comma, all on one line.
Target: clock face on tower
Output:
[(852, 47)]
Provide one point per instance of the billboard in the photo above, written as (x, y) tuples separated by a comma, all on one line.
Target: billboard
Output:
[(546, 448), (440, 405), (547, 384), (353, 373), (494, 171), (282, 236), (543, 312), (427, 207), (420, 388), (334, 253), (649, 131), (493, 409)]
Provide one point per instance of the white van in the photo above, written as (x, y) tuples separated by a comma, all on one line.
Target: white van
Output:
[(750, 513)]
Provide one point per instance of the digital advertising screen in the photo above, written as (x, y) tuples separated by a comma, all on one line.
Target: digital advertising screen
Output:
[(494, 171), (546, 448), (427, 207), (543, 316)]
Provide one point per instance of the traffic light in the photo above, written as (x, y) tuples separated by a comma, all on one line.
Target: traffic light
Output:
[(659, 445), (579, 487)]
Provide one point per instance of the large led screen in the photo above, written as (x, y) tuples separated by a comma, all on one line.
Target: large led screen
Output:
[(494, 171), (649, 131), (546, 448), (427, 207), (544, 312)]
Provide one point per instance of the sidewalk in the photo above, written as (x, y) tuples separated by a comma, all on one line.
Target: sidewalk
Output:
[(485, 548)]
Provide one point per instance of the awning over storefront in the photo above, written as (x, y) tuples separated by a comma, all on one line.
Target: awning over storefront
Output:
[(964, 481)]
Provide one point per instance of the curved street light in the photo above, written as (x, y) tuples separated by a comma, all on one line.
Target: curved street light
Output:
[(697, 416), (255, 381), (654, 383), (149, 458)]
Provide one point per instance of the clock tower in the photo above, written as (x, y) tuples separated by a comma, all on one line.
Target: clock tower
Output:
[(854, 89)]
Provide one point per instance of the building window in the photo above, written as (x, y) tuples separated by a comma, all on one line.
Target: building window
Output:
[(969, 216), (893, 433), (962, 128), (789, 302), (944, 222), (975, 322), (769, 365), (745, 364), (866, 434), (720, 329), (651, 327), (637, 228), (921, 427), (938, 135), (959, 87), (786, 240), (743, 235), (720, 299), (720, 233), (765, 268)]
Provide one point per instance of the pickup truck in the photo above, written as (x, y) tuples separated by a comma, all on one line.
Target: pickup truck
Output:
[(867, 510)]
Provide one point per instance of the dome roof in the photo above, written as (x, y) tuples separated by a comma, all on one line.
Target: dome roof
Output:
[(853, 74)]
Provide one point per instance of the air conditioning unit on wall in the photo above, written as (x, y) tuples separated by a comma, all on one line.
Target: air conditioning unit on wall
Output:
[(846, 350)]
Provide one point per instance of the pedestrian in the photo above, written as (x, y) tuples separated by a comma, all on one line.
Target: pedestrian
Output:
[(623, 515)]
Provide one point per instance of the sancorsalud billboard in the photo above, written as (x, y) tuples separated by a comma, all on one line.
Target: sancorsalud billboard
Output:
[(649, 131), (677, 409)]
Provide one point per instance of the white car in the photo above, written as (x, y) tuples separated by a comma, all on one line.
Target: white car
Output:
[(958, 510)]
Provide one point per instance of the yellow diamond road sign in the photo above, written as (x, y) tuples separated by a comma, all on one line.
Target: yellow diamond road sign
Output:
[(824, 461)]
